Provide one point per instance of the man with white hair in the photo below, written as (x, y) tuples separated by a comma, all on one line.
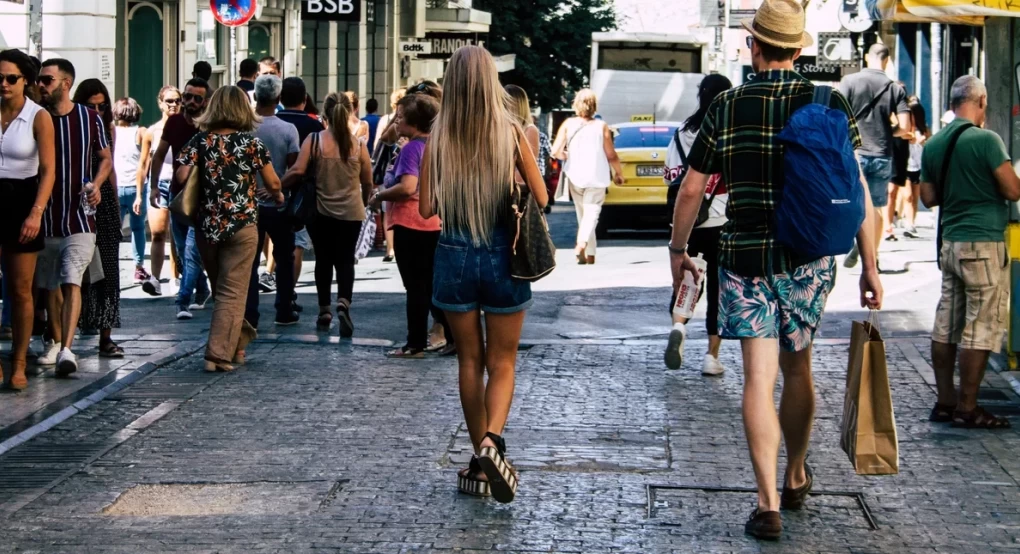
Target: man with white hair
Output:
[(281, 139), (966, 171)]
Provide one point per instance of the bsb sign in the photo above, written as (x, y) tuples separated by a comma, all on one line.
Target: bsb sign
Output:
[(331, 10)]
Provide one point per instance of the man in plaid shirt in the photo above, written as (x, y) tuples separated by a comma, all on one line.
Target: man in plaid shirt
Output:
[(771, 298)]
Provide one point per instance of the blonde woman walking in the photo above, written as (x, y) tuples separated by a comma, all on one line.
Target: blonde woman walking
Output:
[(228, 156), (466, 178), (587, 146)]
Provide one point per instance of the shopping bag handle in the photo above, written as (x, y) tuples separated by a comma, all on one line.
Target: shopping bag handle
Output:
[(873, 320)]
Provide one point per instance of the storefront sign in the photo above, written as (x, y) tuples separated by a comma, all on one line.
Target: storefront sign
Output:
[(331, 10), (808, 68), (233, 13), (836, 50), (443, 45), (415, 48), (736, 16)]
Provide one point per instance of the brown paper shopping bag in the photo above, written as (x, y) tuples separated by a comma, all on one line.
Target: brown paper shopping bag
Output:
[(868, 427)]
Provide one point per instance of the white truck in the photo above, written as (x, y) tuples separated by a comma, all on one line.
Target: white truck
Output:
[(646, 76)]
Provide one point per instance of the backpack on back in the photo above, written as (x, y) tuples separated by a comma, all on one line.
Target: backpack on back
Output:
[(822, 204)]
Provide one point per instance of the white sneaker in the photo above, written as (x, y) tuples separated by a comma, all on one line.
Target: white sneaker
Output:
[(67, 363), (712, 366), (49, 354), (675, 347), (152, 287), (183, 314)]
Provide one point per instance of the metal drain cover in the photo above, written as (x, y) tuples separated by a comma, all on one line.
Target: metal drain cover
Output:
[(210, 499)]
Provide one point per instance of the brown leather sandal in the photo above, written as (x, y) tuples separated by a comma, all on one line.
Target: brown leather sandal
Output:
[(979, 418)]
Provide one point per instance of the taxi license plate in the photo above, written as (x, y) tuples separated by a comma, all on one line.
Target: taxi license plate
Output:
[(649, 170)]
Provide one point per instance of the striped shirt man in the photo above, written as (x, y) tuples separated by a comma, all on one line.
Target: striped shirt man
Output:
[(78, 135)]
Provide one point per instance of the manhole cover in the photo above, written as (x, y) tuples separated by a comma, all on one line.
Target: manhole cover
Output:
[(578, 450), (695, 505), (208, 499)]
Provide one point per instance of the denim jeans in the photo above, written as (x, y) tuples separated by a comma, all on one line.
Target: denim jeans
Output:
[(193, 277), (280, 228), (126, 195)]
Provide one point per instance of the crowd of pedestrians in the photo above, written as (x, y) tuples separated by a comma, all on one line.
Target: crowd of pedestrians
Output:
[(432, 170)]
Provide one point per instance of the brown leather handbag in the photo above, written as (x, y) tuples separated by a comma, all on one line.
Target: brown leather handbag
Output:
[(185, 204), (533, 254)]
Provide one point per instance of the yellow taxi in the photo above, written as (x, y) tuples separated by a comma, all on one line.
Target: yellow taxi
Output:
[(640, 202)]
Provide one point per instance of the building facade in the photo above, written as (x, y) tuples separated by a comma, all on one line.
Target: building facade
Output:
[(137, 46)]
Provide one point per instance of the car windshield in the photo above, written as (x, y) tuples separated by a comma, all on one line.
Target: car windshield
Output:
[(645, 136)]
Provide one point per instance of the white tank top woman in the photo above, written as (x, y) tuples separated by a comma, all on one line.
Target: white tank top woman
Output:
[(19, 154), (167, 171), (587, 165), (126, 154)]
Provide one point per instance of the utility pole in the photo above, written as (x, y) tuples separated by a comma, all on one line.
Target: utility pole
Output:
[(35, 28), (936, 77)]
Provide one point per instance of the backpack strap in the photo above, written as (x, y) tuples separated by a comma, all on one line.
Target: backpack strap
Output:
[(940, 187), (874, 102), (822, 95), (679, 148)]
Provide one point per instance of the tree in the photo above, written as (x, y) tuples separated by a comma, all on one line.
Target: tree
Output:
[(552, 41)]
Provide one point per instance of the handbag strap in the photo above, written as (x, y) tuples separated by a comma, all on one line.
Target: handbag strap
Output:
[(874, 101), (940, 186)]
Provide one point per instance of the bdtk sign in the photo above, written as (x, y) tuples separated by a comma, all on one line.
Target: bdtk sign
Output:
[(331, 10)]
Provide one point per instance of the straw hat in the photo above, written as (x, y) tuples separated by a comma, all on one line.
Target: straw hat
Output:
[(779, 23)]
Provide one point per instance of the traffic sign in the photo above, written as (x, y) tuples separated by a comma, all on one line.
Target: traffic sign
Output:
[(855, 21), (233, 13)]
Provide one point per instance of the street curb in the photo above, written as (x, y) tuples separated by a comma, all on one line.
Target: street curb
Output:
[(150, 364), (1000, 364)]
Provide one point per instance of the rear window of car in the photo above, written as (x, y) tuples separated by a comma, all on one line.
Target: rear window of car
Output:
[(650, 136)]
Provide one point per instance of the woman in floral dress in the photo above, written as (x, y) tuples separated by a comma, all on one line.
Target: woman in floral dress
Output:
[(228, 157)]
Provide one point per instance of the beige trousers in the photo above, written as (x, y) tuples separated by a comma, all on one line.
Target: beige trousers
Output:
[(228, 263), (588, 205)]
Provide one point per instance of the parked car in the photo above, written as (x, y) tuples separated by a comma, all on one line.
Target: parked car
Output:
[(640, 202)]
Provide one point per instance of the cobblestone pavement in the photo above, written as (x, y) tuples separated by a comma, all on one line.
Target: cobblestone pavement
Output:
[(329, 447)]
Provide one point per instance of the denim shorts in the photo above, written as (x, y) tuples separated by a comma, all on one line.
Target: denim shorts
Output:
[(468, 277), (878, 172), (164, 195)]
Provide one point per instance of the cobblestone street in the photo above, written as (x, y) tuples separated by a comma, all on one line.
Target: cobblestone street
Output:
[(321, 445)]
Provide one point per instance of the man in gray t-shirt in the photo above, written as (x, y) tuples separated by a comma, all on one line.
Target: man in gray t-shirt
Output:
[(281, 139), (876, 100)]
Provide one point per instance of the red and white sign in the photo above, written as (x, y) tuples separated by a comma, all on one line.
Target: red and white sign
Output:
[(233, 13)]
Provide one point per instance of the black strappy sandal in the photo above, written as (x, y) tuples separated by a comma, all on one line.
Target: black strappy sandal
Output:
[(501, 475), (466, 482), (978, 418)]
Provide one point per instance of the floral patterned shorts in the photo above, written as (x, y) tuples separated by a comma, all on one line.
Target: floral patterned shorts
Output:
[(787, 306)]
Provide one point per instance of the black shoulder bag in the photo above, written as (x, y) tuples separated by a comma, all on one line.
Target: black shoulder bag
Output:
[(302, 205), (874, 102), (533, 254), (940, 187), (704, 211)]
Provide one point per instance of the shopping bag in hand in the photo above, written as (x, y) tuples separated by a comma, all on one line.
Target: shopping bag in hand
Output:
[(868, 427), (366, 239)]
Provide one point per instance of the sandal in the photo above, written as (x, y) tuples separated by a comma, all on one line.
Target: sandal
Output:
[(406, 352), (468, 483), (979, 418), (501, 475), (941, 413), (248, 334), (449, 350), (436, 346), (346, 324), (212, 366), (110, 350)]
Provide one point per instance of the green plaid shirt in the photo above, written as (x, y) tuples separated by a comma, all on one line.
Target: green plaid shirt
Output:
[(737, 139)]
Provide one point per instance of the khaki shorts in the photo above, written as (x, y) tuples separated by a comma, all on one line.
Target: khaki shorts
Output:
[(63, 260), (974, 307)]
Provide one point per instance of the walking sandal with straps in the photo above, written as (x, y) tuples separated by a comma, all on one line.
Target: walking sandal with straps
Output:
[(468, 482), (501, 475)]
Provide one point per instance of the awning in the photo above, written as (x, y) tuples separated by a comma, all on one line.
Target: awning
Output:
[(960, 12)]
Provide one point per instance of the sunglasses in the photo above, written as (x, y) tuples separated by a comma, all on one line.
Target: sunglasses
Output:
[(99, 107), (172, 101), (11, 79), (45, 80), (197, 98), (750, 39)]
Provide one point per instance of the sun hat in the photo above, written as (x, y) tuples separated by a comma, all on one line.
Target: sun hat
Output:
[(779, 23)]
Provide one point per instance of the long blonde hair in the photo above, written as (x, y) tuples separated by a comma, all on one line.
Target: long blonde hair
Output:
[(519, 105), (337, 109), (473, 146)]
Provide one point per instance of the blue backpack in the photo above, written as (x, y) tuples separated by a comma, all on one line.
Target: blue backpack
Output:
[(822, 204)]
